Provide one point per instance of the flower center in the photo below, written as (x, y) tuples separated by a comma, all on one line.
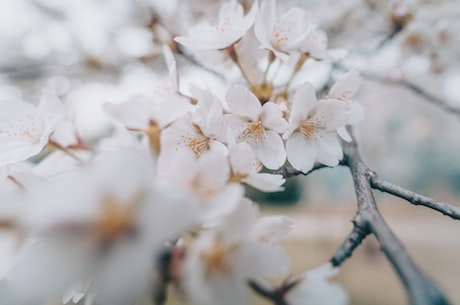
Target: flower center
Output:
[(222, 24), (279, 35), (197, 142), (253, 132), (27, 127), (309, 128), (215, 258)]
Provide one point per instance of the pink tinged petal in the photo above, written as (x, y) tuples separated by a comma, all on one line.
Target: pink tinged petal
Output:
[(271, 229), (302, 104), (272, 117), (265, 182), (332, 114), (243, 102), (270, 150), (301, 152), (329, 151), (346, 86)]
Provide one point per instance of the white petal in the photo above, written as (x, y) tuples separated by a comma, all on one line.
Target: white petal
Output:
[(303, 102), (243, 102), (356, 113), (271, 229), (346, 86), (332, 113), (314, 289), (16, 149), (242, 158), (272, 117), (343, 133), (301, 153), (329, 151), (265, 260), (265, 182), (270, 150)]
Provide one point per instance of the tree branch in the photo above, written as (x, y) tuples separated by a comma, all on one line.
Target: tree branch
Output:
[(352, 241), (414, 198), (289, 171), (420, 289)]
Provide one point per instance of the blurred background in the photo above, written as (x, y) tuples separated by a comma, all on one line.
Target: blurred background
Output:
[(94, 51)]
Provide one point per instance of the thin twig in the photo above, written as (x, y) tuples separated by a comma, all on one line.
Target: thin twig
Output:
[(352, 241), (420, 289), (414, 198), (289, 171)]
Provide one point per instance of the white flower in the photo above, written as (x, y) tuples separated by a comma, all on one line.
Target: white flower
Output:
[(149, 117), (230, 26), (195, 134), (257, 125), (107, 222), (311, 135), (316, 47), (245, 168), (206, 181), (344, 89), (282, 34), (221, 261), (25, 129), (314, 288)]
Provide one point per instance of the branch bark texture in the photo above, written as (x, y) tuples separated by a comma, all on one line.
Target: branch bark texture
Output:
[(420, 289)]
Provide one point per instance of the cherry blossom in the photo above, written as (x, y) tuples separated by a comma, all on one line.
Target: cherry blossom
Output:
[(25, 128), (222, 260), (196, 133), (206, 181), (282, 34), (257, 125), (312, 132), (111, 218), (245, 168), (229, 27), (344, 89)]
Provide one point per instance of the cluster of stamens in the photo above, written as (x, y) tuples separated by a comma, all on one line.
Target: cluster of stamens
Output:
[(253, 132)]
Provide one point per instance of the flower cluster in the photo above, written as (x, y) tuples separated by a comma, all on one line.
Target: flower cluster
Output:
[(95, 220)]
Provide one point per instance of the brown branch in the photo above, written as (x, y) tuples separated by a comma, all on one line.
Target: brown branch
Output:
[(277, 295), (414, 198), (352, 241), (420, 289), (289, 171)]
